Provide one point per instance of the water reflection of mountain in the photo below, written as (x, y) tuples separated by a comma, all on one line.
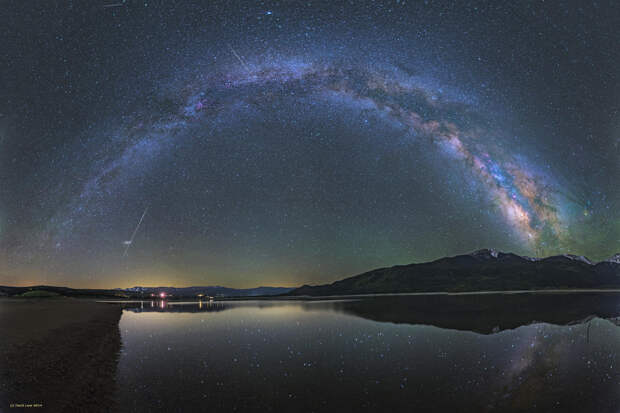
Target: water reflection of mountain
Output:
[(486, 314), (175, 307), (483, 313)]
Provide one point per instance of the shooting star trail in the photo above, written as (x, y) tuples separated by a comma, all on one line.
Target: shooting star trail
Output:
[(128, 243), (239, 58), (105, 6)]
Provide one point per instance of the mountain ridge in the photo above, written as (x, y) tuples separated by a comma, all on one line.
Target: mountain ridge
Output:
[(214, 290), (146, 292), (482, 270)]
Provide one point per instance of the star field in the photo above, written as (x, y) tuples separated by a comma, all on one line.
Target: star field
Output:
[(292, 143)]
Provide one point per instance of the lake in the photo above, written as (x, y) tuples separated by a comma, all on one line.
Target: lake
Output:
[(497, 352)]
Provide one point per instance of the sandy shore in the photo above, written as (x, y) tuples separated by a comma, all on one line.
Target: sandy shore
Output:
[(58, 353)]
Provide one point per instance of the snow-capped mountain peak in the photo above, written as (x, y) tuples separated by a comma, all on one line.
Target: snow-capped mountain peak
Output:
[(615, 259), (578, 258)]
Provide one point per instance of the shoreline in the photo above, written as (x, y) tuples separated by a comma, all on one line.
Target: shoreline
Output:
[(58, 353), (63, 353), (370, 295)]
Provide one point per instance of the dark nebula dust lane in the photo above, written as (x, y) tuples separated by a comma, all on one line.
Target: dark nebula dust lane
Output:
[(302, 159)]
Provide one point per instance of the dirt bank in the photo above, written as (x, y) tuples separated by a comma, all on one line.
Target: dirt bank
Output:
[(58, 353)]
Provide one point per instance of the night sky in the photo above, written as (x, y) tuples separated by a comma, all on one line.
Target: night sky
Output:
[(283, 143)]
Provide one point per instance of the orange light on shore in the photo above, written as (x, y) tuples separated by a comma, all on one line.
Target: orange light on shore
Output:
[(162, 295)]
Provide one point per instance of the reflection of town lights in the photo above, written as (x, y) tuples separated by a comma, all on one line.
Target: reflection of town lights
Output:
[(162, 295)]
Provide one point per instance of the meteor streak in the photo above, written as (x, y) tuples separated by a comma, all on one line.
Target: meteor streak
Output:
[(240, 59), (128, 243)]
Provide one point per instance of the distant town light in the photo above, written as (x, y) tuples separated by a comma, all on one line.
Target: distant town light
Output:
[(162, 295)]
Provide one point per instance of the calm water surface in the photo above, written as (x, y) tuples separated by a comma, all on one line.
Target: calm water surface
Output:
[(497, 353)]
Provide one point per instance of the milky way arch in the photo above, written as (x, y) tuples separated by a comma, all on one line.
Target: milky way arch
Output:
[(529, 201)]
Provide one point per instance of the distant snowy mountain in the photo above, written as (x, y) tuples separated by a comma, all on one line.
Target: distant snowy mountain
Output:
[(614, 259), (145, 292), (216, 291)]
